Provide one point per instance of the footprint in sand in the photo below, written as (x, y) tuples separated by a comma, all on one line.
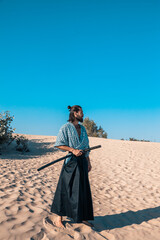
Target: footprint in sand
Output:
[(50, 227), (67, 233), (77, 231), (40, 236)]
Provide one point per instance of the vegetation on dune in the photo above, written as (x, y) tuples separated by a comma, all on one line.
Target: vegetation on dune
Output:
[(134, 139), (6, 133), (5, 128), (93, 130), (7, 136)]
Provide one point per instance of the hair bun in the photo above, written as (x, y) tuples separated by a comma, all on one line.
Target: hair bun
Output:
[(69, 107)]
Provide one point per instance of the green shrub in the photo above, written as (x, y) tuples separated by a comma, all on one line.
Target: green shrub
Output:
[(93, 130), (5, 128), (6, 133), (22, 143)]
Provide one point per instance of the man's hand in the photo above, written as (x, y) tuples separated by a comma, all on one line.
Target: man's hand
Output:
[(89, 166), (77, 152)]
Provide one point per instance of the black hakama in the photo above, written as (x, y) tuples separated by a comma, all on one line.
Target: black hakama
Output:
[(73, 195)]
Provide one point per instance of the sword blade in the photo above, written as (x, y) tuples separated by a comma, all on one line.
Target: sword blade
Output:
[(60, 159)]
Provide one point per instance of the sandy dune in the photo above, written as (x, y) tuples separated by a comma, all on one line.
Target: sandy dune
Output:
[(125, 186)]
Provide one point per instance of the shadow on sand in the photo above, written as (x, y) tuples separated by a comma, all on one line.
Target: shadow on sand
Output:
[(109, 222), (36, 147)]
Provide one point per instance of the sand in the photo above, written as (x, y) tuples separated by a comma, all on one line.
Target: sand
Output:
[(125, 185)]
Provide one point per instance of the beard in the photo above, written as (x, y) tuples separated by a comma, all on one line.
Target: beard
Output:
[(80, 119)]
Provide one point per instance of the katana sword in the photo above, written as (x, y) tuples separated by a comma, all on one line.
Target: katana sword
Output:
[(69, 155)]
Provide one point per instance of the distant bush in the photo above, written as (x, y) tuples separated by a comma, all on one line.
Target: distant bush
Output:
[(93, 130), (6, 133), (134, 139)]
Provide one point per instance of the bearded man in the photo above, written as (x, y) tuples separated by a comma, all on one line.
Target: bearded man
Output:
[(73, 195)]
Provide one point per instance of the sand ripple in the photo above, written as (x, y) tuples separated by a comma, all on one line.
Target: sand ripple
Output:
[(125, 186)]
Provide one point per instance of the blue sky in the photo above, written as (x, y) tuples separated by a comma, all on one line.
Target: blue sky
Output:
[(102, 55)]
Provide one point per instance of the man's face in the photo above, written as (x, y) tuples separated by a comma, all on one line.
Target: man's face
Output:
[(79, 115)]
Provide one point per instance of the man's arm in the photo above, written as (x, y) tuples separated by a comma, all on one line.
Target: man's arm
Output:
[(76, 152), (89, 164)]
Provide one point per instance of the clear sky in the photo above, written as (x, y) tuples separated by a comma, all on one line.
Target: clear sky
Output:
[(102, 55)]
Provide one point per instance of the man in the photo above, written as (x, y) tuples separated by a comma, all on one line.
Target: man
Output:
[(73, 196)]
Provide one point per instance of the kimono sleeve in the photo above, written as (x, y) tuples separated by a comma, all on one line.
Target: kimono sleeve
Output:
[(62, 138)]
